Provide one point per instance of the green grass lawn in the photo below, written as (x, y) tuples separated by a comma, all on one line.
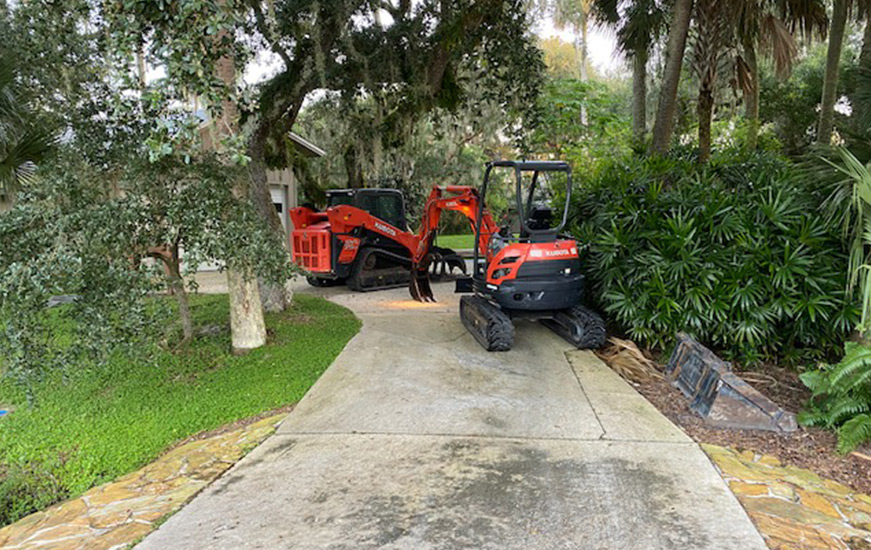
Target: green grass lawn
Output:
[(103, 423), (457, 242)]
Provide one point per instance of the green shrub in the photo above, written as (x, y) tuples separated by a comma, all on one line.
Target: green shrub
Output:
[(25, 488), (842, 397), (735, 253)]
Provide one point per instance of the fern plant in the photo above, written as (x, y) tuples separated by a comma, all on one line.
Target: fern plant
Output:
[(841, 397)]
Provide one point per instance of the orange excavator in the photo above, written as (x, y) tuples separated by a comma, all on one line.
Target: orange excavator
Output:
[(523, 268)]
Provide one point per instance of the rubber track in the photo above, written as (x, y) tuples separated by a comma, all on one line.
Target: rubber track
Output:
[(581, 326), (321, 282), (376, 279), (490, 326)]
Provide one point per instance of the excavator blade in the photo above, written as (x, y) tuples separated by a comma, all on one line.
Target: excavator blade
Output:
[(419, 286)]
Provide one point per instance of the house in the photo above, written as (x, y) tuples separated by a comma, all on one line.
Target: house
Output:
[(282, 183)]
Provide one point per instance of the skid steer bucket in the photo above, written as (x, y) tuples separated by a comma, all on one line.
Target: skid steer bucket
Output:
[(719, 395)]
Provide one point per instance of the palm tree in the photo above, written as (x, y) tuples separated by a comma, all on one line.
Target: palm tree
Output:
[(712, 50), (769, 26), (663, 128), (732, 33), (837, 30), (23, 143), (638, 27), (574, 14), (861, 97)]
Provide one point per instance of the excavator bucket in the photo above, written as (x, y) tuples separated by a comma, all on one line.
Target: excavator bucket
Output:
[(419, 286)]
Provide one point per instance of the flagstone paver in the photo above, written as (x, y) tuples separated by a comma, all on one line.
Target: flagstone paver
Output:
[(793, 507), (116, 514)]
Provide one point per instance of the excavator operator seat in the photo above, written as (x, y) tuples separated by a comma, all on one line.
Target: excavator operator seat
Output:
[(540, 217)]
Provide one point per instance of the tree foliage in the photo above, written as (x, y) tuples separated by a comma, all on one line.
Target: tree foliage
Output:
[(66, 237), (69, 234), (560, 131)]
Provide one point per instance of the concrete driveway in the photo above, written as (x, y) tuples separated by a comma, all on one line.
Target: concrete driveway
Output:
[(417, 438)]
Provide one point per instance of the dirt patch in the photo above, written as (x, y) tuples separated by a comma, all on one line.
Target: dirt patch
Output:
[(810, 448)]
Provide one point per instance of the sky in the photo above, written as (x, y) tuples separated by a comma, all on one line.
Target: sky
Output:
[(602, 52), (602, 47)]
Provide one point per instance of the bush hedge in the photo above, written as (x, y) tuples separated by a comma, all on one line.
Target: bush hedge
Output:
[(737, 253)]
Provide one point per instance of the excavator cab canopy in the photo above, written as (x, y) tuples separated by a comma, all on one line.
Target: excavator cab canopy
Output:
[(532, 209)]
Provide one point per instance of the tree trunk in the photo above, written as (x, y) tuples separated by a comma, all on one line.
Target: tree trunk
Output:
[(273, 295), (247, 328), (830, 78), (176, 286), (140, 66), (751, 94), (353, 168), (170, 259), (581, 52), (677, 39), (861, 101), (706, 113), (639, 95)]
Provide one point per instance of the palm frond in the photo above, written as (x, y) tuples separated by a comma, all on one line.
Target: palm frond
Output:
[(809, 17), (776, 37), (18, 162)]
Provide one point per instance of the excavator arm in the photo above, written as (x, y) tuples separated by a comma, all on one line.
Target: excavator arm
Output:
[(459, 198)]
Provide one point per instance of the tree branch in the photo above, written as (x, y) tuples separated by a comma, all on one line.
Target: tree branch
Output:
[(269, 33)]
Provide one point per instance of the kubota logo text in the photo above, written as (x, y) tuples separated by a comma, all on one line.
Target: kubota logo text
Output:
[(557, 252), (385, 229)]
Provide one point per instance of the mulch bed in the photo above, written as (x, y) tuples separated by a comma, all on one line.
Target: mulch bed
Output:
[(810, 448)]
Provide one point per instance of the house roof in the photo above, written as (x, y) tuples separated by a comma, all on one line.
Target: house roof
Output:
[(304, 146)]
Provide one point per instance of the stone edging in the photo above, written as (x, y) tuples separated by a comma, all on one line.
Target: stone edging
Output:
[(793, 507), (118, 513)]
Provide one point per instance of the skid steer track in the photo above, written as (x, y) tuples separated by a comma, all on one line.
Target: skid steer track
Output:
[(374, 270)]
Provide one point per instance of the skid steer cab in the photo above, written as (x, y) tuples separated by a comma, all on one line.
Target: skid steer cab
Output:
[(525, 266), (362, 239)]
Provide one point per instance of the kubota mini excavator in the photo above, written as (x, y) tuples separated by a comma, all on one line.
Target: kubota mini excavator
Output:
[(527, 268), (532, 273)]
